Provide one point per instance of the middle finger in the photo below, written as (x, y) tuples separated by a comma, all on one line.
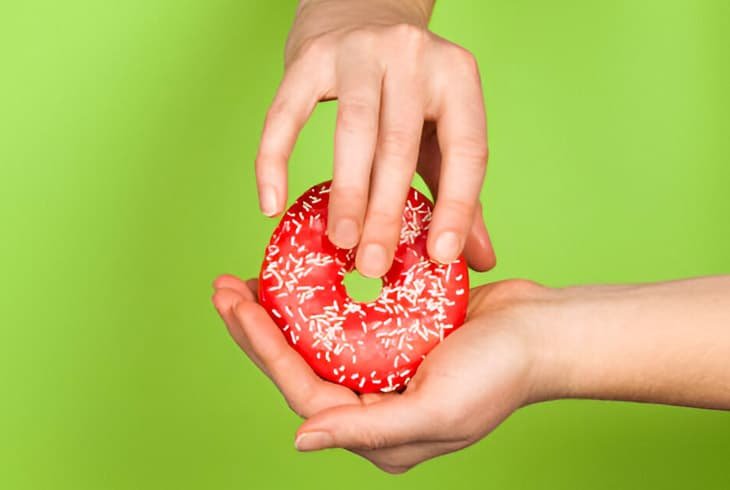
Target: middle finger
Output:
[(401, 120), (358, 92)]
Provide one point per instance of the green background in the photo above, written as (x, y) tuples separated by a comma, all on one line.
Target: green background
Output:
[(127, 137)]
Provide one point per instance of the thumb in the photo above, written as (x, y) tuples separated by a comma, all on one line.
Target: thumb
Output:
[(398, 419)]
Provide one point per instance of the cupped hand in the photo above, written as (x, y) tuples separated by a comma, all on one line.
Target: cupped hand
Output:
[(465, 387), (408, 101)]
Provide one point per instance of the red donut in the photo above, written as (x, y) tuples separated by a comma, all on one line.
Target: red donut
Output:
[(368, 347)]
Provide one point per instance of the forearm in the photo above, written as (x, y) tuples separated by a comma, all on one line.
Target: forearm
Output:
[(316, 17), (663, 343)]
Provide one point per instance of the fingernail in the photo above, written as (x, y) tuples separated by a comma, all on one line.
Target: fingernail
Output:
[(313, 441), (372, 258), (447, 247), (268, 200), (346, 233)]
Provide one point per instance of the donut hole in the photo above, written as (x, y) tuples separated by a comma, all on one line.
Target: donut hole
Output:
[(362, 289)]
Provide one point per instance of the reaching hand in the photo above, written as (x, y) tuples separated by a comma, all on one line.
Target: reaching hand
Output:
[(389, 74), (464, 388)]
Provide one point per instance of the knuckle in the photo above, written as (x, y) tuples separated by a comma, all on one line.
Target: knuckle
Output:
[(267, 162), (346, 198), (454, 206), (465, 61), (516, 289), (362, 38), (372, 441), (397, 143), (315, 47), (357, 112), (279, 109), (299, 401), (409, 35), (294, 407), (472, 152), (380, 220)]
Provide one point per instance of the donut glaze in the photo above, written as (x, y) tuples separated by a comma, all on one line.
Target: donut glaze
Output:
[(368, 347)]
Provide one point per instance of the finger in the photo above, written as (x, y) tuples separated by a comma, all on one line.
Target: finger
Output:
[(304, 391), (229, 281), (392, 422), (462, 139), (368, 398), (253, 286), (298, 93), (359, 83), (225, 300), (478, 249), (401, 121)]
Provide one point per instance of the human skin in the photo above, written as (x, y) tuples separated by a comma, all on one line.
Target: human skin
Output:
[(522, 343), (408, 101)]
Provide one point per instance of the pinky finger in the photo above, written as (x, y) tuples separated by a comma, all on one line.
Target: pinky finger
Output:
[(225, 300)]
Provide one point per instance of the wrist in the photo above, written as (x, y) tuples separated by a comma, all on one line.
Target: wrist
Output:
[(315, 18), (559, 329)]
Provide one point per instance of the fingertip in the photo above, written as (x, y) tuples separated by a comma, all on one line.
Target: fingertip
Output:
[(313, 441), (269, 200), (232, 282), (346, 208), (479, 251), (225, 299), (446, 246), (253, 286), (224, 280), (344, 232), (479, 256), (372, 260)]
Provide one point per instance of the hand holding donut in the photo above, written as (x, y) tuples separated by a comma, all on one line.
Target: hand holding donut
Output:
[(389, 75), (522, 343), (464, 388)]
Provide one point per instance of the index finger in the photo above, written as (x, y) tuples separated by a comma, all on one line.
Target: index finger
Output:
[(300, 90), (305, 392)]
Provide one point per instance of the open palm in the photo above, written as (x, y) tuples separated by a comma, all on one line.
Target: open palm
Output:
[(464, 388)]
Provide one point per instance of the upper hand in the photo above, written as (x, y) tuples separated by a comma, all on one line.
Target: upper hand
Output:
[(388, 80)]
